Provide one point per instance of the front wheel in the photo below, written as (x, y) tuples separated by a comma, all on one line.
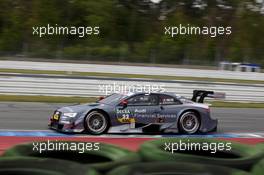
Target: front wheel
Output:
[(96, 123), (189, 122)]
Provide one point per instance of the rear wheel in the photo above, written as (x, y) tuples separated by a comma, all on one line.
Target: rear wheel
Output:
[(96, 123), (189, 122)]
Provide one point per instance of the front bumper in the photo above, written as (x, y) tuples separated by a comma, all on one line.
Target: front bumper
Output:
[(67, 128), (58, 125)]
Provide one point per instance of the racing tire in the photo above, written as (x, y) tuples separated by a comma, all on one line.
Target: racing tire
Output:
[(258, 169), (96, 123), (165, 168), (189, 123), (260, 146), (103, 159), (233, 155), (37, 166)]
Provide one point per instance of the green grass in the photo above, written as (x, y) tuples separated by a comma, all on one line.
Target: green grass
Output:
[(46, 99), (59, 99), (117, 75)]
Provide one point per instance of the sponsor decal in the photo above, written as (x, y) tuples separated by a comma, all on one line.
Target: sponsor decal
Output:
[(166, 115), (55, 117), (125, 118), (122, 111), (140, 110)]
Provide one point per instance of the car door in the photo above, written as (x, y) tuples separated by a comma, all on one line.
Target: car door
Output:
[(169, 108), (141, 108)]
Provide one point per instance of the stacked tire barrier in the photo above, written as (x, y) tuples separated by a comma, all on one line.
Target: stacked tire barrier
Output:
[(102, 160), (258, 169), (151, 158), (239, 156), (45, 166), (166, 168)]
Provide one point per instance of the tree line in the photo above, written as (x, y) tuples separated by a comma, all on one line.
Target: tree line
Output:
[(133, 30)]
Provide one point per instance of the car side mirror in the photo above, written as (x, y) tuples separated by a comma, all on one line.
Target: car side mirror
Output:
[(101, 98), (124, 104)]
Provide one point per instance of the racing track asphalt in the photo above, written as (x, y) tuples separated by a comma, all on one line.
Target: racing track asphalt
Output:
[(34, 116)]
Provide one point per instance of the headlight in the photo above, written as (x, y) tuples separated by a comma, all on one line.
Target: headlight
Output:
[(69, 114)]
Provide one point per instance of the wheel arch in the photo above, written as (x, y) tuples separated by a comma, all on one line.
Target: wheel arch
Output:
[(101, 111), (189, 110), (98, 110)]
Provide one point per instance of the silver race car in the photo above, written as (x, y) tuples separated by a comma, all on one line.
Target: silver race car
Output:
[(139, 112)]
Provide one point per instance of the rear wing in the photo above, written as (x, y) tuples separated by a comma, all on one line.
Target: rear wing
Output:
[(200, 95)]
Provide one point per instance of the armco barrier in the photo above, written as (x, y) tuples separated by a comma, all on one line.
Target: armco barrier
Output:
[(98, 86)]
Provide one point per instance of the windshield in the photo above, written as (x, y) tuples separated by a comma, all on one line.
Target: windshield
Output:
[(114, 98)]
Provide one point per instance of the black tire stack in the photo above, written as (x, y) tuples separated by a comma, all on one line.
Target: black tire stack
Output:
[(36, 166), (102, 160), (240, 156), (168, 168), (150, 159), (258, 168)]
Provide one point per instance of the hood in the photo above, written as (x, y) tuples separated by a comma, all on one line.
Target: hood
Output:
[(79, 108)]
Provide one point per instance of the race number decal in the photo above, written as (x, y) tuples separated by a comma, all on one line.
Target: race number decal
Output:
[(125, 118)]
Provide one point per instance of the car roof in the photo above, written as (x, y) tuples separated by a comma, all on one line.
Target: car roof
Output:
[(158, 93)]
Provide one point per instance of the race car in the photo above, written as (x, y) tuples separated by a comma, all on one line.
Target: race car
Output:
[(162, 112)]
